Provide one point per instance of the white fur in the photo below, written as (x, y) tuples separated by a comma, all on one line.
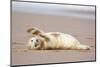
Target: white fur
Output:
[(61, 41)]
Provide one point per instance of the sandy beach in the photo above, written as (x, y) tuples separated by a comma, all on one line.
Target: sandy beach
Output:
[(83, 30)]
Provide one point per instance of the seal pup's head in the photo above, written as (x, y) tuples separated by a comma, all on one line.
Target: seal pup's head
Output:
[(35, 42), (38, 38)]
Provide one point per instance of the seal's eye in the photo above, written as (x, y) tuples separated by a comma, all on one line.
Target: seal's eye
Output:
[(37, 40), (31, 40)]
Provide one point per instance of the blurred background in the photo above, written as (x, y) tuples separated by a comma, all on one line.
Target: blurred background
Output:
[(52, 17)]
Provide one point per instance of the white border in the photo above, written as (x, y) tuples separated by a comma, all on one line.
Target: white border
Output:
[(4, 33)]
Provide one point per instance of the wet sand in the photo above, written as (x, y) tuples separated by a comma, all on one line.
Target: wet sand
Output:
[(83, 30)]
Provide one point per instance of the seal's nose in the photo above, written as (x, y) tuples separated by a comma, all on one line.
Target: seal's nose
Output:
[(35, 45)]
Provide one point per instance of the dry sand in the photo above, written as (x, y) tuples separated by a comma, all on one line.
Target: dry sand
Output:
[(83, 30)]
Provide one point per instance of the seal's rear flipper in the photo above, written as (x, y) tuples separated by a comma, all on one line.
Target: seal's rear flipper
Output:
[(83, 47)]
